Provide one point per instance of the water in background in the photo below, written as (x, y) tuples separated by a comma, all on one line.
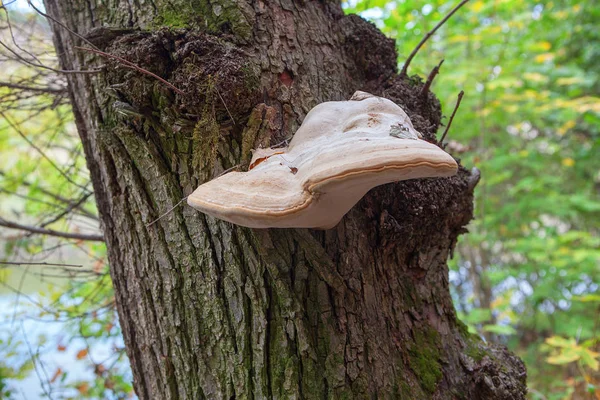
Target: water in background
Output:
[(50, 341)]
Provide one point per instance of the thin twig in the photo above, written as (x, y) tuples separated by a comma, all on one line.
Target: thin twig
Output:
[(82, 211), (48, 393), (67, 210), (50, 232), (228, 170), (132, 66), (430, 78), (41, 152), (28, 198), (19, 292), (148, 225), (71, 274), (460, 96), (25, 61), (428, 35), (3, 6), (32, 88), (15, 41), (223, 101), (60, 24), (281, 144), (41, 263)]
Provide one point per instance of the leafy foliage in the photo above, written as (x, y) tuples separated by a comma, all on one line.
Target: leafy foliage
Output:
[(530, 121), (10, 348), (74, 348)]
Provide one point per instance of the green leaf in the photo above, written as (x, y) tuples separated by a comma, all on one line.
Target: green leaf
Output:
[(557, 341), (500, 329), (588, 298), (589, 358)]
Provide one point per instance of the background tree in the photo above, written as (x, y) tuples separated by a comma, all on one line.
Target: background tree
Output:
[(213, 310)]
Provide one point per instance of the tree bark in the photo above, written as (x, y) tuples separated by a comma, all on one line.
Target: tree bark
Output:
[(212, 310)]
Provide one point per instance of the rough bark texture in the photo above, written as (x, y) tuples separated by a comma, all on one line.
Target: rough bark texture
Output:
[(212, 310)]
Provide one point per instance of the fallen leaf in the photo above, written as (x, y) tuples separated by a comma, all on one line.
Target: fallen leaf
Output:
[(83, 388), (82, 353), (57, 373)]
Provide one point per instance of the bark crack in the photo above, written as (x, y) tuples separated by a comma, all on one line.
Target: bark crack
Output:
[(268, 344)]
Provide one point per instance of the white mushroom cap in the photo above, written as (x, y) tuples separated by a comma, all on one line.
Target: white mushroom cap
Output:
[(342, 150)]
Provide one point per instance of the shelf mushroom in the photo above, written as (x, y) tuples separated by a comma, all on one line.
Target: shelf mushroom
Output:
[(342, 150)]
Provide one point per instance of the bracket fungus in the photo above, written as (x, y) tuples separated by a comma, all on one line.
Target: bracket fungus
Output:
[(342, 150)]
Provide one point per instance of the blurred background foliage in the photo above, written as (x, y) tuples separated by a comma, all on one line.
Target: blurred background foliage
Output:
[(59, 334), (526, 275)]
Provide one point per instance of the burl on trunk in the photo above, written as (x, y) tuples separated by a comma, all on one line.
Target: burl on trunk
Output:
[(213, 310)]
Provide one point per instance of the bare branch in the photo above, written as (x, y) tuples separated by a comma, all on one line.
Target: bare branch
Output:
[(132, 66), (29, 198), (47, 392), (3, 6), (33, 88), (430, 78), (50, 232), (60, 71), (67, 210), (48, 193), (41, 152), (60, 24), (41, 263), (428, 35), (12, 35), (460, 96)]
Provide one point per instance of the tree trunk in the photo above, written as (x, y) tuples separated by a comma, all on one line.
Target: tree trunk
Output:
[(212, 310)]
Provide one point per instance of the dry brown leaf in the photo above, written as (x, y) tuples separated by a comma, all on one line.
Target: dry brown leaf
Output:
[(57, 373), (82, 353)]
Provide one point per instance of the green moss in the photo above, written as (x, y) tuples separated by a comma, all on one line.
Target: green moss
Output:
[(474, 343), (425, 358), (344, 395), (409, 298), (206, 142), (214, 16), (251, 77), (160, 100), (205, 138), (360, 387), (250, 133), (462, 328), (180, 14), (174, 18), (226, 15), (402, 391), (474, 350), (458, 393), (415, 80)]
